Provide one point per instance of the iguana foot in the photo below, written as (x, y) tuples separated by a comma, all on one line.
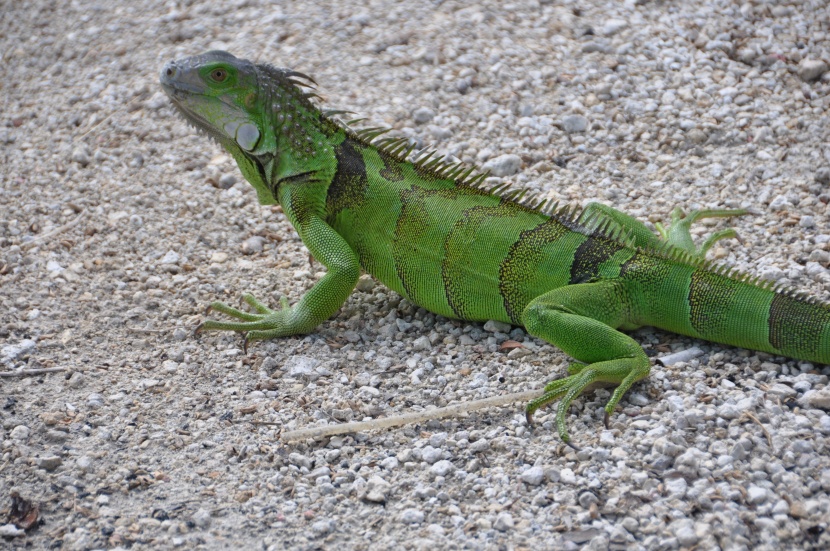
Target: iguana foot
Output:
[(264, 323), (625, 371), (679, 236)]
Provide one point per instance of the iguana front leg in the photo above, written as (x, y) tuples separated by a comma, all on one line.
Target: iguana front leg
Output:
[(322, 300), (581, 320), (678, 234)]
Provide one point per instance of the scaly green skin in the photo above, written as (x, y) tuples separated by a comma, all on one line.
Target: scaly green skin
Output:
[(428, 231)]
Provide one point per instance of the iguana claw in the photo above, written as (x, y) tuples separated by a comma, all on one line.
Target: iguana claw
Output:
[(263, 323), (574, 446)]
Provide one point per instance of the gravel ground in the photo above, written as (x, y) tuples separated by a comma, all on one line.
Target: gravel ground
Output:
[(120, 223)]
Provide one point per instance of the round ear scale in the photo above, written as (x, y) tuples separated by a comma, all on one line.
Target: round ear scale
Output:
[(247, 136)]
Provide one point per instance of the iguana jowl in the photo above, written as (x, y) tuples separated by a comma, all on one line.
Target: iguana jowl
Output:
[(428, 230)]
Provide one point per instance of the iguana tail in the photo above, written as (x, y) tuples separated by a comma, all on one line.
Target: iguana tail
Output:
[(720, 305)]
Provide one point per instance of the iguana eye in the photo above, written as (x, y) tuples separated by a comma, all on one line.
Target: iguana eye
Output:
[(219, 75)]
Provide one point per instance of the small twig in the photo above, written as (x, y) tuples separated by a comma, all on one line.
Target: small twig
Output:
[(29, 372), (143, 331), (53, 233), (763, 428), (123, 109), (408, 418)]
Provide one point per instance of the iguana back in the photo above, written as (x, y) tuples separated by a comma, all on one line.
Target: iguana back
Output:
[(465, 253)]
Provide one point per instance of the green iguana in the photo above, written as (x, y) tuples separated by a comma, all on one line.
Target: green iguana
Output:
[(428, 230)]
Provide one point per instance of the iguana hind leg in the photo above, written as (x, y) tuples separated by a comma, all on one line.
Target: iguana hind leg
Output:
[(679, 235), (581, 320)]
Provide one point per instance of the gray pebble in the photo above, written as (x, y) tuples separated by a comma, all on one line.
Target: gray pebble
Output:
[(676, 487), (811, 69), (682, 356), (84, 463), (442, 468), (322, 528), (95, 401), (586, 499), (365, 284), (431, 455), (253, 244), (613, 26), (503, 165), (782, 391), (81, 155), (299, 460), (504, 522), (12, 352), (54, 267), (201, 518), (377, 490), (301, 366), (684, 531), (423, 115), (411, 516), (11, 531), (619, 535), (227, 181), (533, 476), (170, 257), (574, 123), (497, 326), (20, 433), (817, 399), (756, 495), (77, 380), (49, 462), (169, 366), (438, 439), (390, 463), (57, 436), (590, 47), (421, 343)]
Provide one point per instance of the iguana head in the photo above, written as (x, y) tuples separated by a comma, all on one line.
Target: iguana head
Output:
[(259, 113), (218, 93)]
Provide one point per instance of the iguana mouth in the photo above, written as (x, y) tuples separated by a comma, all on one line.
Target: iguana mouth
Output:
[(178, 91), (171, 82)]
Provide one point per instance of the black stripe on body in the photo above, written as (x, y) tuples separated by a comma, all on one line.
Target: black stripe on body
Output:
[(413, 256), (349, 187), (348, 190), (710, 298), (795, 325), (590, 256), (391, 170), (466, 235), (522, 261)]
